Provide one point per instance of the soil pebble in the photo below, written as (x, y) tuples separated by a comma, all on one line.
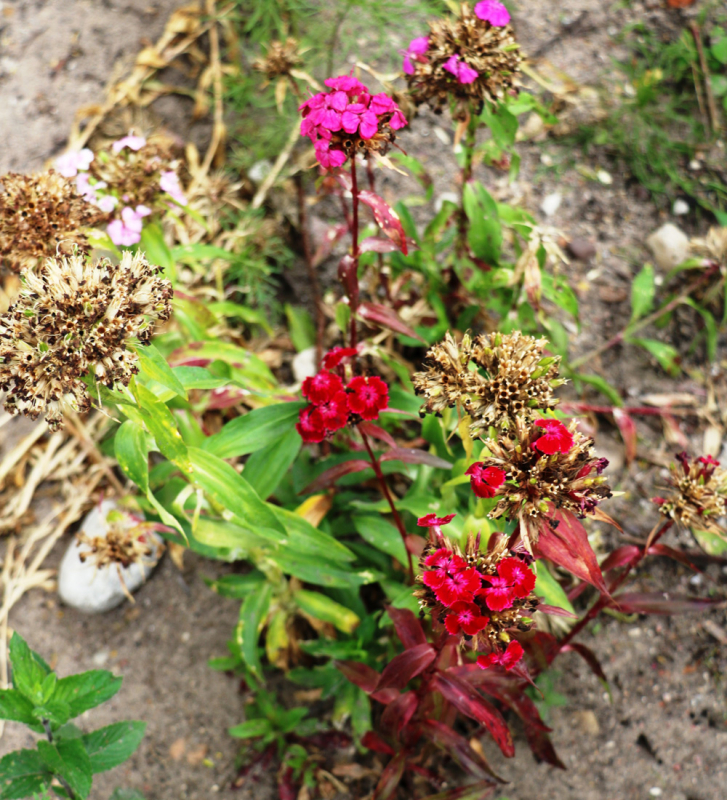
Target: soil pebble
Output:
[(669, 245)]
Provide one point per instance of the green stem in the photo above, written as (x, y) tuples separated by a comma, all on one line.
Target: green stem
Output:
[(468, 148), (63, 782)]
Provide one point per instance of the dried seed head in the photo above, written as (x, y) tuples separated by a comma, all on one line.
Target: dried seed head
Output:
[(71, 318), (40, 216), (127, 541), (280, 60), (490, 50), (699, 495), (497, 379), (713, 246)]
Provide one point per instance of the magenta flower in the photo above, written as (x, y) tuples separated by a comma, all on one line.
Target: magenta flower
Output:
[(494, 12), (127, 231), (169, 183), (73, 162), (346, 83), (358, 118), (415, 52), (462, 71), (130, 141)]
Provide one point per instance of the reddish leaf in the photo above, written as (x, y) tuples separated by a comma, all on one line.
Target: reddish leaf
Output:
[(390, 777), (334, 473), (407, 665), (556, 611), (475, 791), (590, 658), (397, 714), (459, 748), (407, 626), (449, 654), (348, 275), (599, 514), (627, 427), (472, 704), (661, 603), (664, 550), (364, 676), (410, 455), (287, 788), (568, 547), (375, 244), (374, 742), (386, 696), (331, 236), (386, 218), (385, 317), (375, 432), (621, 556), (542, 647), (226, 398)]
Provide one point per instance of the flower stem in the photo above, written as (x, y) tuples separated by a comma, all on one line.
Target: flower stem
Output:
[(387, 494), (468, 147), (354, 248)]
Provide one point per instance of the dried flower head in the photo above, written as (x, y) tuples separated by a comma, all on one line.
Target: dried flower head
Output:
[(281, 59), (71, 317), (712, 247), (42, 215), (699, 494), (470, 59), (497, 379), (551, 467), (484, 597), (127, 541)]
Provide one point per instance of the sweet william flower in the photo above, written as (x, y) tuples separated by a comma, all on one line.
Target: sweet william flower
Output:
[(485, 481), (460, 69), (513, 580), (334, 357), (310, 425), (169, 183), (556, 438), (126, 231), (415, 52), (74, 161), (130, 141), (367, 396), (322, 387), (508, 659), (334, 413), (465, 617), (492, 11)]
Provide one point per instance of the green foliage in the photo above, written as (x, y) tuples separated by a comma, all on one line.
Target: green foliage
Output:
[(45, 704)]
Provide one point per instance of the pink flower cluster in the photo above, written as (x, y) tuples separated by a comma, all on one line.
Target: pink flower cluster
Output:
[(126, 231), (350, 108), (492, 11), (415, 52), (460, 69)]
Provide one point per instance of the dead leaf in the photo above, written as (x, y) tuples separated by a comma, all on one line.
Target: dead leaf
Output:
[(150, 57), (176, 551), (176, 751), (315, 508), (670, 399), (354, 772), (197, 755), (307, 695)]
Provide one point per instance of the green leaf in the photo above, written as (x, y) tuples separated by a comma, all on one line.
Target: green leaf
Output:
[(132, 454), (343, 317), (321, 607), (252, 316), (127, 794), (110, 746), (238, 586), (156, 249), (549, 589), (485, 232), (57, 712), (267, 467), (710, 328), (160, 422), (305, 539), (154, 367), (642, 293), (230, 490), (87, 690), (252, 729), (719, 50), (603, 386), (253, 612), (16, 706), (300, 327), (382, 535), (29, 670), (665, 354), (254, 431), (23, 774), (712, 544), (68, 759), (320, 573)]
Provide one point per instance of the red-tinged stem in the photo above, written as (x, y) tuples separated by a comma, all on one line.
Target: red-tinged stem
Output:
[(383, 279), (354, 247), (312, 274), (617, 582), (389, 499), (642, 323), (639, 411)]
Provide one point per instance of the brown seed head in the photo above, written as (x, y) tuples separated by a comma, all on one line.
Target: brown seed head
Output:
[(280, 60)]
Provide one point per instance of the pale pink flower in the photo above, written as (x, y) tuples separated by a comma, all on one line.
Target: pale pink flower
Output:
[(130, 141), (83, 185), (127, 230), (107, 203), (494, 12), (462, 71), (74, 161), (169, 183), (415, 52)]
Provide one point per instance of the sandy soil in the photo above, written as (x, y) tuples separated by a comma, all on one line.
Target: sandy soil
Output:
[(664, 734)]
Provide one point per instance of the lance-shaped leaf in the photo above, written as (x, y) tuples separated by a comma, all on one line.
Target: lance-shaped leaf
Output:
[(627, 427), (348, 275), (390, 778), (397, 714), (375, 432), (375, 244), (364, 676), (325, 246), (556, 611), (590, 658), (460, 749), (621, 556), (660, 549), (467, 700), (331, 475), (661, 603), (386, 218), (374, 742), (385, 317), (407, 665), (568, 547), (411, 455), (407, 626)]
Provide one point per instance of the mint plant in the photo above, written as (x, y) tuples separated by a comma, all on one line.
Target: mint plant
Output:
[(65, 760)]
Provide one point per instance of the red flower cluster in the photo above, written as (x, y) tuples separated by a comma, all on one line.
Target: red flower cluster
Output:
[(556, 438), (513, 580), (485, 481), (332, 405), (450, 578), (507, 659), (348, 107)]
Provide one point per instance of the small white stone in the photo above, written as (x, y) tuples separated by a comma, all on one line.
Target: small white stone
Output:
[(670, 246), (186, 636), (304, 364), (695, 164), (93, 589), (546, 159), (259, 170), (441, 199), (100, 658), (604, 177), (551, 203), (442, 135), (634, 632), (655, 791), (680, 207)]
